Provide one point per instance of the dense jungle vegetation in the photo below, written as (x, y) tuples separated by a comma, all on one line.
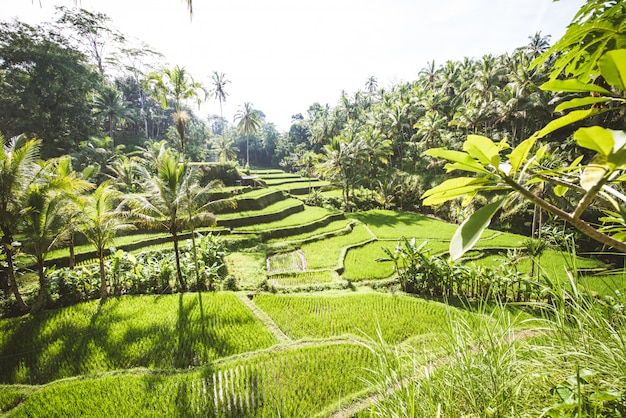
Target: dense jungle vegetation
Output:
[(449, 246)]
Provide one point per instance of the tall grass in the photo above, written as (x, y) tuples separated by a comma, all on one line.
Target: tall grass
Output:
[(571, 362)]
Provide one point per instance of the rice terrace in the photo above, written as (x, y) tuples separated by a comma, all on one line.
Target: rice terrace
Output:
[(451, 246)]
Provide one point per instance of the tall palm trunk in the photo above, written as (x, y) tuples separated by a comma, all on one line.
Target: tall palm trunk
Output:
[(42, 297), (103, 279), (12, 282), (179, 272)]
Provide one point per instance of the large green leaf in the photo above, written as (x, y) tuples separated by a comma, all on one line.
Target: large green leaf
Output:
[(581, 101), (572, 86), (572, 117), (453, 188), (462, 159), (483, 149), (595, 138), (520, 153), (469, 232), (613, 68), (592, 175)]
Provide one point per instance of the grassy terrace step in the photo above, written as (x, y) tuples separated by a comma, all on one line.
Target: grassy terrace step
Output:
[(263, 172), (304, 279), (255, 200), (271, 213), (310, 219), (329, 253), (334, 228), (289, 180), (280, 382), (362, 315), (281, 175), (302, 188), (165, 331)]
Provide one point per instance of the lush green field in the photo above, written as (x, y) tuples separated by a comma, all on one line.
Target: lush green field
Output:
[(309, 214), (363, 315), (248, 268), (306, 278), (332, 227), (390, 224), (281, 383), (361, 264), (273, 208), (151, 331), (327, 253)]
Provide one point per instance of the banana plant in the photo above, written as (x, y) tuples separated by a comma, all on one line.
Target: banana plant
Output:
[(507, 173)]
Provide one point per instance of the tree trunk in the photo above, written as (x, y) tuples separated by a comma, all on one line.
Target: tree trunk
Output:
[(8, 251), (103, 279), (42, 297), (195, 261), (179, 272)]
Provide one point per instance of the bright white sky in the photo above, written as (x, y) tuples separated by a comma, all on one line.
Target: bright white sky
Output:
[(284, 55)]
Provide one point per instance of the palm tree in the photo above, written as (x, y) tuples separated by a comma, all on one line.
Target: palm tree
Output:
[(102, 219), (45, 212), (371, 84), (17, 168), (340, 162), (166, 203), (178, 86), (227, 150), (308, 160), (249, 124), (219, 83), (110, 104)]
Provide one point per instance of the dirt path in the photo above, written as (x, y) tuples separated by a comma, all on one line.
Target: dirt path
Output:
[(265, 319)]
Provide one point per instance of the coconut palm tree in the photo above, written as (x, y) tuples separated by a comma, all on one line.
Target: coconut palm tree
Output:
[(219, 82), (17, 168), (45, 209), (110, 104), (371, 84), (308, 160), (102, 219), (167, 205), (226, 148), (178, 86), (248, 124)]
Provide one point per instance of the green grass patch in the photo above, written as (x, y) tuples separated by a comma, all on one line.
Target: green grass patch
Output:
[(291, 261), (398, 317), (300, 187), (332, 227), (605, 284), (338, 193), (388, 224), (308, 215), (151, 331), (275, 181), (273, 208), (303, 279), (248, 268), (361, 264), (326, 253), (282, 383)]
